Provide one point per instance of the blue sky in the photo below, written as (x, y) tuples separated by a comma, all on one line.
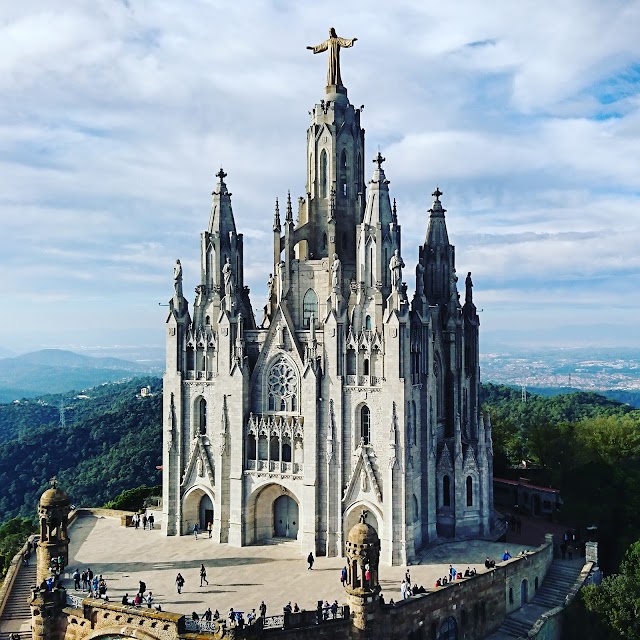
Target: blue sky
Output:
[(115, 116)]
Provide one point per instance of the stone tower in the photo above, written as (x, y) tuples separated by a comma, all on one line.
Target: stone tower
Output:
[(47, 604), (345, 395)]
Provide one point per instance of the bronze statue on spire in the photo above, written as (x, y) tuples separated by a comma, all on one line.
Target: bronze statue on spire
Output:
[(333, 44)]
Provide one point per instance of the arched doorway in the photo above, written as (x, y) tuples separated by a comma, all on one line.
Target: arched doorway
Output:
[(206, 512), (285, 517), (197, 506), (449, 629), (524, 592), (353, 517)]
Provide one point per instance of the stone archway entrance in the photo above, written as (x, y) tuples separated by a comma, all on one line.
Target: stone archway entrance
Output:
[(285, 517), (197, 506), (353, 517), (524, 592), (273, 511)]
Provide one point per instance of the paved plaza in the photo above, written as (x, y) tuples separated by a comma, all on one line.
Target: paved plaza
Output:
[(239, 577)]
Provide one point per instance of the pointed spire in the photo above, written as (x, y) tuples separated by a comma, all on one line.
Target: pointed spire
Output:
[(378, 206), (276, 218), (379, 160), (437, 210), (221, 219), (289, 216), (394, 213), (221, 187)]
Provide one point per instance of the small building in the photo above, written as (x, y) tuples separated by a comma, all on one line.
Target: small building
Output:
[(523, 496)]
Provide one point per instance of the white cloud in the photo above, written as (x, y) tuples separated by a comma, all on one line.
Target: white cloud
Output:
[(116, 116)]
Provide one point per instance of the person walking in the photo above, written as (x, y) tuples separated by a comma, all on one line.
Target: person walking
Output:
[(310, 560), (196, 528), (144, 521), (203, 575), (263, 610), (151, 520), (179, 582), (76, 580), (210, 529), (343, 576)]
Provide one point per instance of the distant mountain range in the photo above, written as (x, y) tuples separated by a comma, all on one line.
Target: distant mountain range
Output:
[(55, 371)]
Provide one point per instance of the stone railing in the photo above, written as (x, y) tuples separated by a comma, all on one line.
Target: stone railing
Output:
[(12, 574), (363, 381), (275, 466), (74, 601), (305, 618), (201, 626)]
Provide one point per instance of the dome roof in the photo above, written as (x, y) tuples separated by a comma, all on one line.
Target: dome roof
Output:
[(54, 497), (363, 534)]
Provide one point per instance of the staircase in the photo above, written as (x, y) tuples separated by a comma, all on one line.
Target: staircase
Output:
[(557, 583), (16, 616)]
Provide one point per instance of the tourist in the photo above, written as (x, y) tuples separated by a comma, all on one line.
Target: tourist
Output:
[(102, 587), (142, 587), (403, 590), (203, 575), (391, 602), (381, 599), (343, 576), (287, 607), (251, 617), (334, 609), (296, 608), (125, 599), (196, 528), (239, 620), (310, 560), (216, 614), (151, 521), (210, 529), (438, 582), (407, 577), (421, 589), (179, 582), (231, 617), (325, 610), (506, 555), (207, 615), (149, 600), (195, 616), (85, 581), (144, 521), (367, 575), (263, 610), (76, 580), (137, 601)]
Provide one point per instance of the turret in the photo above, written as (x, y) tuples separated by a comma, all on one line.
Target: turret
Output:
[(437, 256)]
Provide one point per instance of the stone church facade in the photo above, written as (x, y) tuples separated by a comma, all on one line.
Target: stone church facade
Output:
[(346, 393)]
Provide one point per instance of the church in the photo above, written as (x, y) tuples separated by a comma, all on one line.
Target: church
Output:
[(347, 392)]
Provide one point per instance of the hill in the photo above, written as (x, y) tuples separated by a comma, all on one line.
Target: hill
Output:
[(55, 370), (112, 442)]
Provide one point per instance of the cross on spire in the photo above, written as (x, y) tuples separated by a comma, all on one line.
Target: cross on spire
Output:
[(363, 516), (221, 174), (437, 193), (379, 159)]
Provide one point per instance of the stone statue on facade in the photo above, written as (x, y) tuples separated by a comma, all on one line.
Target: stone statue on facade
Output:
[(396, 265), (419, 278), (177, 279), (229, 284), (333, 44), (336, 272), (468, 284)]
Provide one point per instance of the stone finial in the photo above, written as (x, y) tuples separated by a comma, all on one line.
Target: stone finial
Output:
[(363, 516), (437, 193), (221, 174), (379, 160)]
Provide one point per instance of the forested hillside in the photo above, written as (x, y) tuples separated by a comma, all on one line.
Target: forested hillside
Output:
[(586, 445), (112, 441)]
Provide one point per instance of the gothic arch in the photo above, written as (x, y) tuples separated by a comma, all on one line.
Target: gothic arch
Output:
[(324, 174), (351, 515), (309, 307), (199, 416), (260, 506), (191, 506), (281, 385)]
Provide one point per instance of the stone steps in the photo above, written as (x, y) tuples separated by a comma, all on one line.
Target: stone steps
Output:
[(17, 607), (553, 592)]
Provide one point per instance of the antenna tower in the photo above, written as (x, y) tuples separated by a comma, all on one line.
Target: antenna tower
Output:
[(63, 423), (524, 393)]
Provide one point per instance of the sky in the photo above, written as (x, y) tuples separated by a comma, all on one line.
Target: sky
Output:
[(115, 117)]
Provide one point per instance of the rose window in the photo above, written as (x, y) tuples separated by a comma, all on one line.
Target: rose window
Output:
[(283, 387)]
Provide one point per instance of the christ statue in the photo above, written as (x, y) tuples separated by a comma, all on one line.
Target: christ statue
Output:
[(333, 44)]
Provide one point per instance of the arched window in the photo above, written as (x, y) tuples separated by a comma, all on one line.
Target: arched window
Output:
[(202, 416), (282, 384), (367, 323), (448, 629), (191, 359), (263, 448), (469, 491), (324, 173), (343, 159), (351, 362), (365, 424), (286, 450), (274, 448), (251, 447), (415, 423), (446, 491), (359, 169), (365, 367), (309, 307), (207, 320)]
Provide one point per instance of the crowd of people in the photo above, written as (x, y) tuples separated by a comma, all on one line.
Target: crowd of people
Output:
[(143, 520)]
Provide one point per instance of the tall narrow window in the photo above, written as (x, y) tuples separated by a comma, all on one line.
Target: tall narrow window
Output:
[(446, 491), (324, 173), (469, 491), (324, 241), (351, 362), (367, 323), (365, 424), (343, 159), (202, 419), (309, 307), (365, 367)]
